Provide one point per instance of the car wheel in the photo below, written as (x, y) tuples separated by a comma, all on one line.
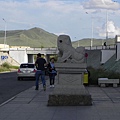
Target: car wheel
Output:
[(19, 78)]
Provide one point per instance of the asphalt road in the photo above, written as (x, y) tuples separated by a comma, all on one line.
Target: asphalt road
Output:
[(10, 86)]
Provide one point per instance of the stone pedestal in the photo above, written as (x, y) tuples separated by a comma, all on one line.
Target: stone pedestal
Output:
[(70, 90)]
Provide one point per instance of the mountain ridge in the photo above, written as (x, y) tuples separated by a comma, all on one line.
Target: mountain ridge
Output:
[(37, 37), (34, 37)]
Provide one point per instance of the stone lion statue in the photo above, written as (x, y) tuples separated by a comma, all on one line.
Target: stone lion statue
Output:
[(67, 53)]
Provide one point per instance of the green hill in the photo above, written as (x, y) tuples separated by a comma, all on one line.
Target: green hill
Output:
[(96, 42), (37, 37)]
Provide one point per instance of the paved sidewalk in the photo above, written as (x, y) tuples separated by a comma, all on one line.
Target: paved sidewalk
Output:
[(32, 105)]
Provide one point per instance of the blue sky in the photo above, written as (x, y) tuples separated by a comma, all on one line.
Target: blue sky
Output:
[(76, 18)]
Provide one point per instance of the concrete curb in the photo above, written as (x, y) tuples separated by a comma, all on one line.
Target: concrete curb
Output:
[(7, 101)]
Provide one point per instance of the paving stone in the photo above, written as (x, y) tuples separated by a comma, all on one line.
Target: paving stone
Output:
[(33, 106)]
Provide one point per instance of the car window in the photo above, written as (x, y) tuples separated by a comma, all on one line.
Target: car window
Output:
[(27, 66)]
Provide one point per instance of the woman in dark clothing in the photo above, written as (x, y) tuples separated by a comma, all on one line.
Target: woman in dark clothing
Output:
[(52, 72)]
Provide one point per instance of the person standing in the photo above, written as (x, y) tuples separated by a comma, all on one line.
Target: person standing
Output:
[(40, 65), (52, 72), (105, 44)]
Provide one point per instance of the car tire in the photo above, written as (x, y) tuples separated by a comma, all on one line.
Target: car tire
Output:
[(19, 78)]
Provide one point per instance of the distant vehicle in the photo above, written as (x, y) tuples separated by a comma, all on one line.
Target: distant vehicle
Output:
[(26, 70)]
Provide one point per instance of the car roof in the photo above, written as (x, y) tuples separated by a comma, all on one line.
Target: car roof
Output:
[(27, 63)]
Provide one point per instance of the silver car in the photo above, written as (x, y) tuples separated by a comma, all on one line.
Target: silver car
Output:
[(26, 70)]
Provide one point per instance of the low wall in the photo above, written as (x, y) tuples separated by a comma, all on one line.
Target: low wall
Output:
[(5, 57), (19, 56), (106, 55)]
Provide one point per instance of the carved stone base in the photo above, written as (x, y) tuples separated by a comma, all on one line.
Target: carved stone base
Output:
[(70, 73), (70, 90), (70, 96)]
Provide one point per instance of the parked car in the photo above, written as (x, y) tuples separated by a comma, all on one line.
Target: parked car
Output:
[(26, 70)]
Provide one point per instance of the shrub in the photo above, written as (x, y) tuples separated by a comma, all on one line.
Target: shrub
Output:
[(6, 65), (3, 69), (14, 67), (101, 73)]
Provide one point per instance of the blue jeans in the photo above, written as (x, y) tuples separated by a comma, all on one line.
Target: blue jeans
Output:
[(37, 75)]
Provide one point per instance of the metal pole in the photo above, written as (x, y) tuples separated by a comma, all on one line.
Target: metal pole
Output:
[(80, 31), (5, 33), (92, 34), (106, 24), (78, 44), (92, 31)]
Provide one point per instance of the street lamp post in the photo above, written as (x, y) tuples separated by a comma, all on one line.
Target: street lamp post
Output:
[(78, 44), (5, 33), (91, 44), (106, 24), (92, 31)]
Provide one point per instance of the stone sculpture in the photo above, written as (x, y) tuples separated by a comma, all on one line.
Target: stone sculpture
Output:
[(67, 53), (70, 68)]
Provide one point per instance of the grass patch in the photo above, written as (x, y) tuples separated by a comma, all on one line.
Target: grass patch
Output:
[(14, 67), (2, 69), (7, 67)]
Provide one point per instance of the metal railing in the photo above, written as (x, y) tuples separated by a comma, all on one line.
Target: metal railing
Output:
[(112, 46)]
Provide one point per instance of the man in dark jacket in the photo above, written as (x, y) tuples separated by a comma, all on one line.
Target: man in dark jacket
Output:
[(40, 65)]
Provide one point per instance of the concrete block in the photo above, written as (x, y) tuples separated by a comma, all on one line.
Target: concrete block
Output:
[(103, 81)]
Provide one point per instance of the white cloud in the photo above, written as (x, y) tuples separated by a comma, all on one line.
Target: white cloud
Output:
[(58, 16), (31, 10), (110, 26), (62, 33), (101, 4), (56, 5), (111, 29), (99, 8)]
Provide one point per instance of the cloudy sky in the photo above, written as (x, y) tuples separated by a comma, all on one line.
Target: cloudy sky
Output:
[(77, 18)]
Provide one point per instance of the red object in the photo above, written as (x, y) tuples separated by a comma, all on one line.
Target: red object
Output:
[(86, 55), (34, 70), (19, 70)]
